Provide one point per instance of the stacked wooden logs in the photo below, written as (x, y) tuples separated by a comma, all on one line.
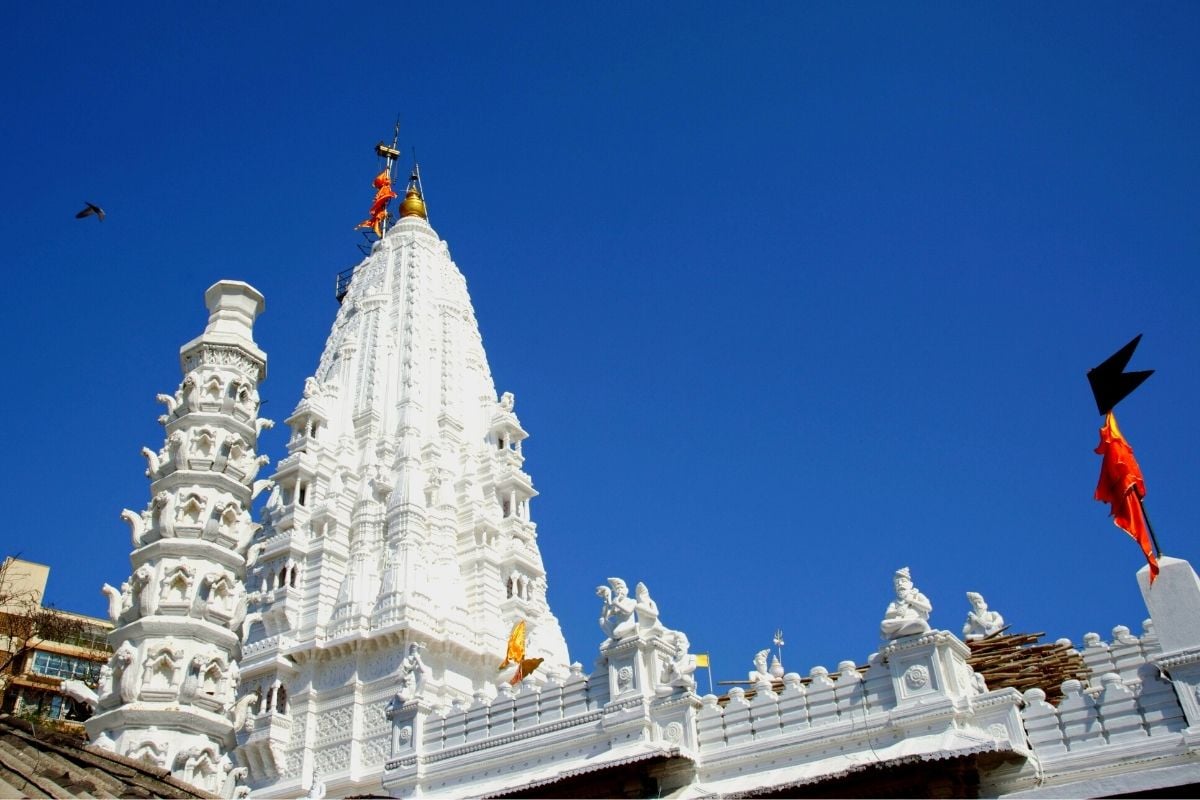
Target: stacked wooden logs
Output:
[(1017, 660)]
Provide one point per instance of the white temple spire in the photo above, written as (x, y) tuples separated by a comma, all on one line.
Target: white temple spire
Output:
[(404, 505), (168, 694)]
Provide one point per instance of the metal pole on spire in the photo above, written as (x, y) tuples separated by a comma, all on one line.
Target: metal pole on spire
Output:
[(389, 155), (416, 177)]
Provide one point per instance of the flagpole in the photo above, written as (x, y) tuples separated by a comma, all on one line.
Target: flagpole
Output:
[(389, 155), (1149, 527), (710, 681)]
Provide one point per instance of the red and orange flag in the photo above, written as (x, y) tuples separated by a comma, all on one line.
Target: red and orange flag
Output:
[(384, 194), (1122, 487)]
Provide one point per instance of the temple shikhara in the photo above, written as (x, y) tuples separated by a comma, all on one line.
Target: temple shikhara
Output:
[(381, 627)]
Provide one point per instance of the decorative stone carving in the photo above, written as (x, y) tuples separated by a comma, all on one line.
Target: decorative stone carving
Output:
[(152, 463), (137, 526), (176, 585), (104, 685), (681, 668), (761, 672), (164, 506), (648, 625), (190, 391), (193, 511), (171, 402), (125, 672), (150, 750), (252, 467), (980, 621), (917, 676), (191, 680), (114, 602), (204, 448), (142, 579), (159, 669), (316, 789), (412, 674), (908, 614), (241, 709), (177, 449), (617, 613)]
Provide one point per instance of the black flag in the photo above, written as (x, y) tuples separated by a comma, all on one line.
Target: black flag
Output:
[(1110, 383)]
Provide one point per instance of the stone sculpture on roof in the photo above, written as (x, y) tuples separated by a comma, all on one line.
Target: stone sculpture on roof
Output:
[(761, 672), (980, 621), (908, 614)]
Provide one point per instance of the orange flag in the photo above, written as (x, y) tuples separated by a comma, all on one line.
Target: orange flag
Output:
[(516, 646), (1122, 487), (525, 668), (383, 195)]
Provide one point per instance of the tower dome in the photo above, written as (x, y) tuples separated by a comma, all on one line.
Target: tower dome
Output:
[(413, 204)]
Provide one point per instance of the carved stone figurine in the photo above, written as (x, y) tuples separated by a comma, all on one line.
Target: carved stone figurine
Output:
[(908, 614), (761, 672), (648, 625), (412, 674), (316, 789), (104, 686), (123, 664), (143, 576), (679, 671), (980, 622), (616, 616), (241, 710)]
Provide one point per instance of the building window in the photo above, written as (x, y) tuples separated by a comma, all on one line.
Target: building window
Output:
[(54, 665), (91, 637)]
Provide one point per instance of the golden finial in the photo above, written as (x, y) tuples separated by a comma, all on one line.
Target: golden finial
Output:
[(413, 204)]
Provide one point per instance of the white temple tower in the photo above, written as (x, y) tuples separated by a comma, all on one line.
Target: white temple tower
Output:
[(168, 694), (400, 516)]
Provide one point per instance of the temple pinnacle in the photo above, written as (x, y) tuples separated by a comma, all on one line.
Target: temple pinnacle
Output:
[(413, 204)]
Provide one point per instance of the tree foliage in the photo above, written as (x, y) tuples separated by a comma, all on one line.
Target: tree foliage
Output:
[(25, 623)]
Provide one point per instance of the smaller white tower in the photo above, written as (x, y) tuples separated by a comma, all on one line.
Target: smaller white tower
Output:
[(168, 694)]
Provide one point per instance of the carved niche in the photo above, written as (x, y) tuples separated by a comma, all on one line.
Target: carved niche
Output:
[(150, 750), (175, 589), (159, 671)]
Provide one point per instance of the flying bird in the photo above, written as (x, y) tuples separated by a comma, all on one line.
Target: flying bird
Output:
[(92, 208)]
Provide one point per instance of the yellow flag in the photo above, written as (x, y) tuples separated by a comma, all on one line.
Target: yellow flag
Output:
[(516, 645), (701, 659)]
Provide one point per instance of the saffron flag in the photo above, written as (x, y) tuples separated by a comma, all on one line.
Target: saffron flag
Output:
[(516, 646), (1122, 487), (525, 669), (701, 659), (383, 195)]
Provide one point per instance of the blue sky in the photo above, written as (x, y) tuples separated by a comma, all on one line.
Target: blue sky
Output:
[(789, 296)]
